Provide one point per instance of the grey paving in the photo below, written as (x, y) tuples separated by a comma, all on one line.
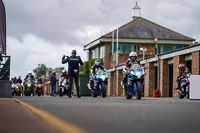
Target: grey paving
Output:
[(119, 115), (14, 118)]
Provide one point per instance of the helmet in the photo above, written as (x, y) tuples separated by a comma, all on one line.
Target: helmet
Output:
[(181, 67), (133, 54), (19, 77), (187, 70), (29, 73), (63, 71), (97, 62)]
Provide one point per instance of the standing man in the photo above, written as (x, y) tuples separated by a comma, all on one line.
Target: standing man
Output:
[(73, 71), (53, 82)]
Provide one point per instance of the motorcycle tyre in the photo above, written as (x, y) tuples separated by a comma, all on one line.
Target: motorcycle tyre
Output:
[(103, 91), (180, 96), (61, 93), (94, 95), (139, 91), (127, 95)]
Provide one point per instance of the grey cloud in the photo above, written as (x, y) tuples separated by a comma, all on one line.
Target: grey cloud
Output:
[(57, 20)]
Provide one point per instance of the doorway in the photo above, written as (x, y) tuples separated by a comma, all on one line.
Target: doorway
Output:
[(170, 80), (156, 77), (189, 65)]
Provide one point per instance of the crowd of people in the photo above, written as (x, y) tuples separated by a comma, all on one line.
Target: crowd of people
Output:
[(73, 73)]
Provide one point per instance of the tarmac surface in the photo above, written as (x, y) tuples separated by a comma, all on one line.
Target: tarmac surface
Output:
[(14, 118), (119, 115)]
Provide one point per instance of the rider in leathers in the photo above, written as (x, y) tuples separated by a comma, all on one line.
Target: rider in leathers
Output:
[(96, 67), (132, 60)]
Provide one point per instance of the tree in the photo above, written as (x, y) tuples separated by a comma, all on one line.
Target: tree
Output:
[(40, 70)]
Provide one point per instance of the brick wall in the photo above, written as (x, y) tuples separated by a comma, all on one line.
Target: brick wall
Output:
[(107, 59), (149, 80), (196, 63), (163, 78), (119, 88), (122, 58), (150, 49), (111, 87), (177, 60), (108, 93)]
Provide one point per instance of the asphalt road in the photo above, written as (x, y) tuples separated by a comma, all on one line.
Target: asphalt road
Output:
[(119, 115)]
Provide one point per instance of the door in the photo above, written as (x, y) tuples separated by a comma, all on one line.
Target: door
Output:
[(170, 84)]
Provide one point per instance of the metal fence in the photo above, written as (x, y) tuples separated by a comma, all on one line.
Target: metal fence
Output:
[(5, 68)]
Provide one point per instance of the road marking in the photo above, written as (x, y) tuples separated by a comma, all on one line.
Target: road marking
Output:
[(59, 124)]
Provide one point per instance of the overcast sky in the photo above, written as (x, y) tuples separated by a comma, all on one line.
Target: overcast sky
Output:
[(41, 31)]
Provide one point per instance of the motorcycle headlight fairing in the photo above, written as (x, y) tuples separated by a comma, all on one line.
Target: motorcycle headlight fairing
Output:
[(138, 74), (103, 77)]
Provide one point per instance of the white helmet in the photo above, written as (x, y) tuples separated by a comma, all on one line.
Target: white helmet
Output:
[(133, 54), (29, 73), (63, 71)]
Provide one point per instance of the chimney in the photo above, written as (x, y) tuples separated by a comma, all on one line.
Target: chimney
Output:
[(136, 11)]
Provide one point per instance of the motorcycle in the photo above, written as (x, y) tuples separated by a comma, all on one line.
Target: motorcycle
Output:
[(13, 89), (18, 89), (185, 86), (100, 83), (39, 89), (29, 85), (63, 86), (134, 85)]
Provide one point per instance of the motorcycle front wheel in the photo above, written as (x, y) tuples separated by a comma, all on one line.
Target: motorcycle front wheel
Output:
[(127, 95), (180, 95), (103, 91), (139, 91), (94, 95)]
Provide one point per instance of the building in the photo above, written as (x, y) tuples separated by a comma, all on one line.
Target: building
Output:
[(138, 33)]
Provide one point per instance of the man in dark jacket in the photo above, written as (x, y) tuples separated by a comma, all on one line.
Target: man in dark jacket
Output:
[(73, 71), (53, 82)]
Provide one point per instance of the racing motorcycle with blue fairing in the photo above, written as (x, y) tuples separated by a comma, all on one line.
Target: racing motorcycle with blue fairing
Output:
[(134, 84), (183, 91), (100, 84)]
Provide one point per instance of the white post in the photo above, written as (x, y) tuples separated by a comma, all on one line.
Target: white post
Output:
[(117, 50), (143, 55), (113, 34)]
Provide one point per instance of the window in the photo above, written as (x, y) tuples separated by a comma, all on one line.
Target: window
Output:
[(125, 48), (95, 53), (98, 52), (167, 48), (102, 51), (136, 48)]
